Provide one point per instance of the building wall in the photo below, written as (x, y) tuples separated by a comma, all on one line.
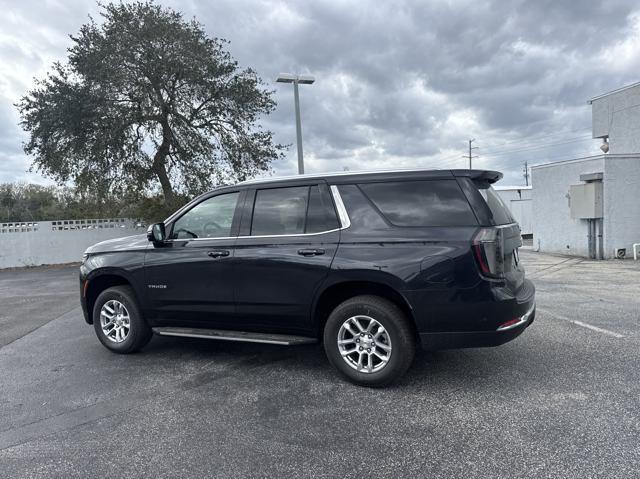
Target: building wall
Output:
[(617, 115), (518, 199), (554, 231), (621, 203), (56, 242)]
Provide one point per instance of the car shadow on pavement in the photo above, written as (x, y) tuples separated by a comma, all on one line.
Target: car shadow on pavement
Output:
[(222, 359)]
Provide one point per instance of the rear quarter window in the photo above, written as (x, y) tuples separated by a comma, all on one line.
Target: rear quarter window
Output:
[(499, 210), (421, 203)]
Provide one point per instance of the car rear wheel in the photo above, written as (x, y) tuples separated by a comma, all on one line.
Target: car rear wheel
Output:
[(117, 321), (369, 340)]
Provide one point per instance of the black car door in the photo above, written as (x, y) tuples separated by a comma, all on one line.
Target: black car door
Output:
[(189, 276), (287, 242)]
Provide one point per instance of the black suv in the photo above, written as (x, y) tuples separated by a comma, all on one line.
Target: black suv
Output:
[(371, 264)]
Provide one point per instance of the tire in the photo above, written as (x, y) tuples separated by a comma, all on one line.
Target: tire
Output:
[(396, 334), (129, 340)]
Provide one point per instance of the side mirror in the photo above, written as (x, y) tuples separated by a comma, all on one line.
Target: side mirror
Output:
[(156, 233)]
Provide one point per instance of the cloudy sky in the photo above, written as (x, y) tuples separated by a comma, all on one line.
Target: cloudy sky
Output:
[(399, 83)]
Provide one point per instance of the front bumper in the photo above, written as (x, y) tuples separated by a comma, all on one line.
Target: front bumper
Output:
[(83, 299)]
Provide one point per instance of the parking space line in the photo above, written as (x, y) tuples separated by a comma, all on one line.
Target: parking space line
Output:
[(584, 325), (554, 268)]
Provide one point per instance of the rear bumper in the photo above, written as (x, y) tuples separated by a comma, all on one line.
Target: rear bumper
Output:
[(474, 339), (513, 317)]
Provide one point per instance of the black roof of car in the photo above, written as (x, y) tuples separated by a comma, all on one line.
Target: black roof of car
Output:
[(351, 177)]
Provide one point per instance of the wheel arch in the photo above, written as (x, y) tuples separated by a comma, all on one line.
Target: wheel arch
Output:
[(100, 281), (336, 293)]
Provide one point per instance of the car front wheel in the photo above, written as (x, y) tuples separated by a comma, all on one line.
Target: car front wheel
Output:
[(369, 340), (117, 320)]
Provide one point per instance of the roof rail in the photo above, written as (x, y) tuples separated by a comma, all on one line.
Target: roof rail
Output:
[(490, 176)]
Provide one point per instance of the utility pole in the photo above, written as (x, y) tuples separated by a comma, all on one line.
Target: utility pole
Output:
[(470, 156), (526, 173)]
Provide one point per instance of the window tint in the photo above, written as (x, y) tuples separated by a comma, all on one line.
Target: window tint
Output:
[(500, 212), (321, 216), (211, 218), (280, 211), (363, 216), (421, 203)]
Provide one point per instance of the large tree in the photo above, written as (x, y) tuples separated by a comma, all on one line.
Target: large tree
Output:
[(146, 98)]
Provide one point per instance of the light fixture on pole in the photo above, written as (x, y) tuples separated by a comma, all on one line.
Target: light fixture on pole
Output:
[(304, 80)]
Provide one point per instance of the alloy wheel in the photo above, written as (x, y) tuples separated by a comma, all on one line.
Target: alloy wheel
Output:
[(364, 344), (115, 321)]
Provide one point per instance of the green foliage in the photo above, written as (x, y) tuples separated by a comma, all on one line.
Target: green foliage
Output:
[(147, 100), (27, 202)]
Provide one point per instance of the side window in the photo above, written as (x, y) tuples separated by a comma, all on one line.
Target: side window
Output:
[(211, 218), (500, 211), (421, 203), (280, 211), (321, 215), (363, 215)]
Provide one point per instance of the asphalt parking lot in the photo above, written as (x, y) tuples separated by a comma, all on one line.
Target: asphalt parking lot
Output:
[(562, 400)]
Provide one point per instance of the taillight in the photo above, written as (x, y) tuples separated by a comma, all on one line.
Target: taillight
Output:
[(487, 249)]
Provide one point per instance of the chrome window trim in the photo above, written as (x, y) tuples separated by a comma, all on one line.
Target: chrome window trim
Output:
[(343, 217), (291, 235), (182, 240), (342, 211), (257, 236)]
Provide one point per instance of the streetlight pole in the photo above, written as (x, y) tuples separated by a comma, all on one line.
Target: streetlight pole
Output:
[(296, 100), (297, 79)]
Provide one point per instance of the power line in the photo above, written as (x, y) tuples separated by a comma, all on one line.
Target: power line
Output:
[(443, 162), (526, 145), (539, 146), (537, 151), (546, 159), (508, 162), (541, 136)]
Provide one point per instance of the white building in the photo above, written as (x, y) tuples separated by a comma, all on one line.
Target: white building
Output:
[(518, 199), (616, 118), (589, 206)]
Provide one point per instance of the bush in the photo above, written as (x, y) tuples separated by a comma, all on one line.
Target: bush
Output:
[(28, 202)]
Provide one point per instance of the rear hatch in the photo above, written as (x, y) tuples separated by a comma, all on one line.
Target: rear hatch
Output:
[(496, 246)]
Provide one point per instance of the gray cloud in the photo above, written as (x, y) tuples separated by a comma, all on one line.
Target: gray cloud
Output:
[(399, 84)]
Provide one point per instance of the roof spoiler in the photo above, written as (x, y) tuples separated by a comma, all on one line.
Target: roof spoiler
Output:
[(481, 175)]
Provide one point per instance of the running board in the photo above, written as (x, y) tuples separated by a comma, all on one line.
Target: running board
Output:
[(224, 335)]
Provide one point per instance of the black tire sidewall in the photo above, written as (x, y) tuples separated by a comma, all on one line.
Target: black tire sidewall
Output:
[(392, 320), (139, 332)]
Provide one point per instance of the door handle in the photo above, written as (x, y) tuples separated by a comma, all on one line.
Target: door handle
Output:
[(218, 253), (310, 252)]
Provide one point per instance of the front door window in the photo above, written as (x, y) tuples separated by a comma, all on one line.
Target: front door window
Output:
[(211, 218)]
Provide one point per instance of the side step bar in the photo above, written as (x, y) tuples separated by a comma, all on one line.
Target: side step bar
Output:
[(224, 335)]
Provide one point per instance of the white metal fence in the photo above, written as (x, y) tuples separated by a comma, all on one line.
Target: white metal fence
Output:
[(55, 242)]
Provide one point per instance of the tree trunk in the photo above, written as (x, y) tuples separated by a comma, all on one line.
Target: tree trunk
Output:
[(159, 166)]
